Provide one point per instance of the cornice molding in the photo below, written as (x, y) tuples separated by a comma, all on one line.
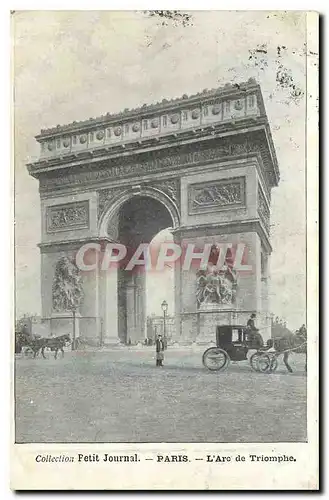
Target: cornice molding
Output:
[(226, 91), (170, 159), (225, 228), (148, 145), (234, 109), (73, 244)]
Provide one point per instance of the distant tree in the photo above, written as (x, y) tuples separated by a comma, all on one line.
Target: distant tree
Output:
[(67, 286), (23, 325)]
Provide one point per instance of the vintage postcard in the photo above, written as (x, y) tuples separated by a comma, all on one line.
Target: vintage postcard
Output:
[(166, 293)]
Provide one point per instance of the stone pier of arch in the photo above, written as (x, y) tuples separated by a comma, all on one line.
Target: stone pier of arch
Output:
[(204, 166)]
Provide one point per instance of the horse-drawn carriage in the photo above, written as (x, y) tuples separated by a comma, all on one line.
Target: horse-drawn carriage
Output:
[(33, 344), (233, 343)]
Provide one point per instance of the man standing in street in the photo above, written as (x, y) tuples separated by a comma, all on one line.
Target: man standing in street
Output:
[(159, 347)]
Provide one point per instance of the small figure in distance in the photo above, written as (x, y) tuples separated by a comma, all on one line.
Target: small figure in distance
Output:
[(159, 347)]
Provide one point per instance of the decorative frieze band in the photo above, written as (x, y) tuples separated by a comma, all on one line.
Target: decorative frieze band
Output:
[(67, 217), (216, 195), (159, 163)]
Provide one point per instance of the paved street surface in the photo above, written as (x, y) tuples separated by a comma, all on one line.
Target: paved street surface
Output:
[(119, 395)]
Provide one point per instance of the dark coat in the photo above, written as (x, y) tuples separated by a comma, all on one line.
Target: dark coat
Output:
[(251, 324), (254, 337), (159, 345)]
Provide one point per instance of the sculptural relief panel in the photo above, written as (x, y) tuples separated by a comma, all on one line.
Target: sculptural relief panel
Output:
[(67, 289), (67, 217), (216, 195), (263, 209), (214, 287)]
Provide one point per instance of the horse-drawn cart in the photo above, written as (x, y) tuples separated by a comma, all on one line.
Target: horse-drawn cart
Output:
[(232, 344)]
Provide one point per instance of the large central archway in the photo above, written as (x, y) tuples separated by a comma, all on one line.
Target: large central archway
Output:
[(132, 220)]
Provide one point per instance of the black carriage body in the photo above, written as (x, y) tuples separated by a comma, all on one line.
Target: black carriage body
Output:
[(233, 343), (233, 340)]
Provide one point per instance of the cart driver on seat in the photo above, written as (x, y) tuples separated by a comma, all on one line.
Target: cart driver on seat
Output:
[(253, 334)]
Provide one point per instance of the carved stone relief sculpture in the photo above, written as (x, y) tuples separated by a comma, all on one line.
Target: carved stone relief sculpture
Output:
[(67, 291), (171, 187), (69, 216), (263, 209), (215, 195), (216, 286), (105, 196)]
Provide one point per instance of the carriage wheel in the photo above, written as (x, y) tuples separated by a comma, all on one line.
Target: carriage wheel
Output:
[(264, 363), (267, 363), (215, 359), (254, 361), (274, 363)]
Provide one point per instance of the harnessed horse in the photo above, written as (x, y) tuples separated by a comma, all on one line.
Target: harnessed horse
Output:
[(293, 342), (286, 344), (40, 344), (55, 344)]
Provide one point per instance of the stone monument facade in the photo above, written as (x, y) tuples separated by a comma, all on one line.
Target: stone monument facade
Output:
[(203, 165)]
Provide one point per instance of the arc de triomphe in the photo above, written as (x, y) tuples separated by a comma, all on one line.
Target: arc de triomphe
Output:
[(203, 165)]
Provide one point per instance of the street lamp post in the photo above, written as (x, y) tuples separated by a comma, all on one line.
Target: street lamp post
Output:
[(164, 307)]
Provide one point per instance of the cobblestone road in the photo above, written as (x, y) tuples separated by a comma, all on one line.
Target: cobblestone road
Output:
[(119, 395)]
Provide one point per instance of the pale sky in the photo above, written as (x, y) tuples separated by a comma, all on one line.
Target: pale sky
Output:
[(75, 65)]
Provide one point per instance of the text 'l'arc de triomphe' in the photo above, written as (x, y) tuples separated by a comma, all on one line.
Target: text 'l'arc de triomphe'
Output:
[(203, 165)]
